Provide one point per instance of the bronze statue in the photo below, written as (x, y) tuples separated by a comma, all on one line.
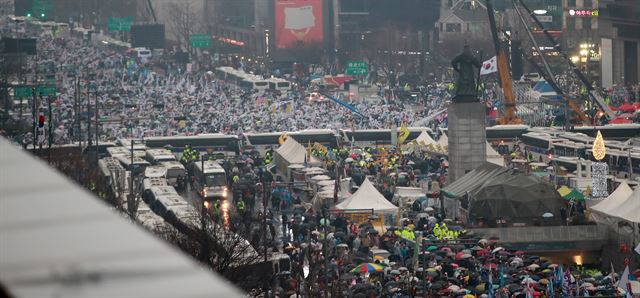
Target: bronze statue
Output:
[(466, 86)]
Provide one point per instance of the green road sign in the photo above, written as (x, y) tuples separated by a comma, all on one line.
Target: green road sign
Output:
[(200, 40), (46, 90), (356, 68), (119, 24), (22, 92)]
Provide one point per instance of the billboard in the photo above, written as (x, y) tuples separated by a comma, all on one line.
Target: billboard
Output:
[(147, 36), (298, 23)]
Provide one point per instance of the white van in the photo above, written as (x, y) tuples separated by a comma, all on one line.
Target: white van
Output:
[(143, 54)]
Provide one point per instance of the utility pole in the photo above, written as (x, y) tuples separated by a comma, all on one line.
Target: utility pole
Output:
[(50, 138), (34, 111)]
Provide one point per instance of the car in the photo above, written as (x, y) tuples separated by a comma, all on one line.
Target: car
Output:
[(531, 77), (315, 97)]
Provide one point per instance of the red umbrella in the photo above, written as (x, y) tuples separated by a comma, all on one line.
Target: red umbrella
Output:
[(613, 108), (627, 107), (620, 120), (459, 255)]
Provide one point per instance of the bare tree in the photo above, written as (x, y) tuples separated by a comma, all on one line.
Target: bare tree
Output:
[(183, 21)]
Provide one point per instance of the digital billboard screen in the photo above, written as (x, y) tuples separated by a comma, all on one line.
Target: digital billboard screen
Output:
[(148, 36), (298, 23)]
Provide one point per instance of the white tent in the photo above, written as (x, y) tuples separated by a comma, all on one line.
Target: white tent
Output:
[(292, 152), (621, 204), (289, 153), (443, 140), (425, 139), (629, 210), (494, 157), (368, 197)]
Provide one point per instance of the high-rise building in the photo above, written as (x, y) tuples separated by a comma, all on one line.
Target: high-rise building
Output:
[(619, 35)]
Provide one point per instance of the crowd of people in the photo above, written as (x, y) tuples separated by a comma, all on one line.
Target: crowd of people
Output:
[(422, 254), (160, 98)]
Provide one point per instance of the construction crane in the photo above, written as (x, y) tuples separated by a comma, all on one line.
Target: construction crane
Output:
[(593, 93), (504, 77), (153, 13), (547, 74)]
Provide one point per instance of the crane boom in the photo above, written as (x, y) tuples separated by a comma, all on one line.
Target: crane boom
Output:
[(595, 96), (153, 13), (504, 77), (546, 73)]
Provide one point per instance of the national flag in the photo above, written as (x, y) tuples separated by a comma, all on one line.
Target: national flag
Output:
[(489, 66), (624, 283), (550, 292), (490, 285), (566, 278)]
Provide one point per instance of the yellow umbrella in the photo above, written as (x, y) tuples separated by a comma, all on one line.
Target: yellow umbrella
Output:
[(564, 190)]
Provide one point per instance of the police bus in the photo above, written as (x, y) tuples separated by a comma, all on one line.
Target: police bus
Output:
[(281, 85), (210, 180), (159, 155), (251, 82)]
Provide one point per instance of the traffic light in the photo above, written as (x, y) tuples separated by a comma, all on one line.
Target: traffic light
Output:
[(41, 121)]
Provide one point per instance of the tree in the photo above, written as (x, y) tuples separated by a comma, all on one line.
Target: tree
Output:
[(184, 22)]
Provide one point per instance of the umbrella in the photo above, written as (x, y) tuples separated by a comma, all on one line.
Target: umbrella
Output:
[(367, 267), (342, 245), (574, 195), (564, 190), (533, 266), (428, 209), (497, 249), (395, 272)]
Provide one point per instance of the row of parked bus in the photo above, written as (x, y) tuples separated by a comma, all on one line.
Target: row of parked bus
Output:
[(250, 81)]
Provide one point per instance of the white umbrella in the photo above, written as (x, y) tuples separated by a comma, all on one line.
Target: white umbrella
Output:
[(326, 182), (547, 215), (428, 209), (320, 177), (349, 159), (497, 249)]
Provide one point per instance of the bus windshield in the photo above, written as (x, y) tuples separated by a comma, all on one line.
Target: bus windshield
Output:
[(218, 179)]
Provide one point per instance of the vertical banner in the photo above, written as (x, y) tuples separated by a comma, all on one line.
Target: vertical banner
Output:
[(298, 23)]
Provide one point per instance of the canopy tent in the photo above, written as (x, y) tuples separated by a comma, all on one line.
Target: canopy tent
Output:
[(443, 140), (368, 197), (630, 210), (473, 180), (494, 157), (516, 197), (425, 139), (623, 203), (491, 192), (600, 212), (289, 153)]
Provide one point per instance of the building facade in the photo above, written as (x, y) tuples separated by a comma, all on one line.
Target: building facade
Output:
[(619, 36)]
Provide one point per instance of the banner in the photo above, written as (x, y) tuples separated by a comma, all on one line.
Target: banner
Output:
[(298, 23)]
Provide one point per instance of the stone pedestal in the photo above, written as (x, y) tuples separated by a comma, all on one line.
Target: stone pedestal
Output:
[(467, 138)]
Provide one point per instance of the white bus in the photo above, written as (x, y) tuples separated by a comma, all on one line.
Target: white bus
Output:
[(251, 82), (137, 166), (159, 155), (176, 173), (279, 84), (210, 180)]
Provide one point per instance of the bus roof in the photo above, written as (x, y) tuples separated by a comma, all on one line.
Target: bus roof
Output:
[(210, 166)]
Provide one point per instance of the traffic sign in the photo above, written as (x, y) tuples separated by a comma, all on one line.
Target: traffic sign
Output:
[(46, 90), (200, 40), (356, 68), (22, 92), (119, 24)]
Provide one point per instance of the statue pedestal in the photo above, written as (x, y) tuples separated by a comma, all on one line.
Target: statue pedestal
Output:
[(467, 138)]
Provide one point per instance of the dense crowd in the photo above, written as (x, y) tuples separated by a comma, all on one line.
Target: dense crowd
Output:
[(162, 99)]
